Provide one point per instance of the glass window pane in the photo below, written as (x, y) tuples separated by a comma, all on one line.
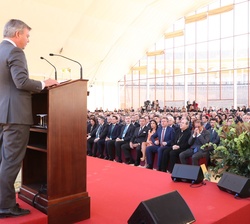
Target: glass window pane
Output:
[(179, 60), (227, 24), (178, 41), (213, 85), (241, 18), (242, 87), (169, 62), (160, 90), (136, 94), (160, 65), (241, 51), (227, 81), (201, 57), (202, 29), (179, 93), (151, 67), (190, 59), (227, 53), (169, 88), (214, 55), (190, 33), (213, 27)]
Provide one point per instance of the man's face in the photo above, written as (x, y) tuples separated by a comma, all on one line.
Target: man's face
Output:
[(22, 38), (113, 120), (183, 125), (142, 122), (213, 124), (164, 122)]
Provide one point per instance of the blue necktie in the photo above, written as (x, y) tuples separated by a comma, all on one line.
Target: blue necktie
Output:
[(112, 128), (124, 131), (195, 149)]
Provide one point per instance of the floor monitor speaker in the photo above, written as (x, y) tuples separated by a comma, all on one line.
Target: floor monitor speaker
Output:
[(235, 184), (187, 173), (167, 208)]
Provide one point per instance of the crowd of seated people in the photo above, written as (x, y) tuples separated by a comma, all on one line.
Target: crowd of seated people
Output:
[(158, 139)]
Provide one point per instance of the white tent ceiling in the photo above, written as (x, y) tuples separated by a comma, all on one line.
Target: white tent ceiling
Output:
[(106, 36)]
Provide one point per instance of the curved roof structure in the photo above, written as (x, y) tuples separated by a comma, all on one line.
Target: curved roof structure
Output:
[(107, 37)]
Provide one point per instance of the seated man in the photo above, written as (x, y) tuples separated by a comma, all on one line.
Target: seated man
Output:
[(139, 136), (214, 138), (126, 134), (171, 156), (163, 139), (101, 134), (113, 132), (199, 137)]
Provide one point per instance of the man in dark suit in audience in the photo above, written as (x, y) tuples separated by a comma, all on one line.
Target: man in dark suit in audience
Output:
[(101, 134), (214, 139), (140, 135), (163, 139), (126, 134), (199, 137), (113, 133), (171, 156)]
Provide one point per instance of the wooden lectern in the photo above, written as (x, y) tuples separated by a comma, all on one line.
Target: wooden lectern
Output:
[(54, 168)]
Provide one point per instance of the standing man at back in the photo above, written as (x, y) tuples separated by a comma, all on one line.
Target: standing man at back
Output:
[(15, 111)]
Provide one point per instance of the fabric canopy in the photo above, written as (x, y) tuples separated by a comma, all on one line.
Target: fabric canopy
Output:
[(107, 37)]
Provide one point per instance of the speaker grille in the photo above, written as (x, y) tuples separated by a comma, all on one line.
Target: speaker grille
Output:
[(168, 208)]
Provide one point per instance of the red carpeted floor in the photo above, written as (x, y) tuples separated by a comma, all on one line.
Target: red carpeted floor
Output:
[(117, 189)]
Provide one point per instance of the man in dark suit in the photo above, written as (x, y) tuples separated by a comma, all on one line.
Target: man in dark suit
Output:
[(101, 134), (163, 139), (15, 111), (113, 133), (199, 137), (214, 139), (139, 136), (171, 156), (126, 134)]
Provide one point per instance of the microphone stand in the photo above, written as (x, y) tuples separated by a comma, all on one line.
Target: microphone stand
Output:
[(70, 60), (51, 65)]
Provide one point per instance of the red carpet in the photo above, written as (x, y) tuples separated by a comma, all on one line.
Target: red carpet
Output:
[(117, 189)]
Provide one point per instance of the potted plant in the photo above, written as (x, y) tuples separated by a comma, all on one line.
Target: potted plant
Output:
[(233, 153)]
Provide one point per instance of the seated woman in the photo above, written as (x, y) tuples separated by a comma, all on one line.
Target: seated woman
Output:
[(151, 131)]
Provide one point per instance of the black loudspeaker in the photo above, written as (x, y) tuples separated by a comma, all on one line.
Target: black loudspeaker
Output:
[(168, 208), (187, 173), (235, 184)]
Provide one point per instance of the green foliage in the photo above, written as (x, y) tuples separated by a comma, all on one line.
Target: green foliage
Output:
[(233, 153)]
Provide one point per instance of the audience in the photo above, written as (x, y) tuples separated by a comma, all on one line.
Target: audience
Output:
[(197, 122)]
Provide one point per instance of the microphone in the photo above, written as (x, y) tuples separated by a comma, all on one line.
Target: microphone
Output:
[(70, 60), (52, 65)]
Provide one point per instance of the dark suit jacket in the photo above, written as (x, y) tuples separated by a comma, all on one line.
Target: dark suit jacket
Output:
[(199, 141), (129, 133), (214, 137), (181, 138), (115, 133), (15, 86), (141, 136), (168, 137), (104, 131)]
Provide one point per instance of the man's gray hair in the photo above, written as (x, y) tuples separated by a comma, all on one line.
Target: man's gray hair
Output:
[(12, 26)]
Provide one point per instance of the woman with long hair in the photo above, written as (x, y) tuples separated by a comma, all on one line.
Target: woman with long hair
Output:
[(151, 131)]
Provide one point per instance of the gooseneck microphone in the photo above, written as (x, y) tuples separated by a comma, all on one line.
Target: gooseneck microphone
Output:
[(51, 65), (70, 60)]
